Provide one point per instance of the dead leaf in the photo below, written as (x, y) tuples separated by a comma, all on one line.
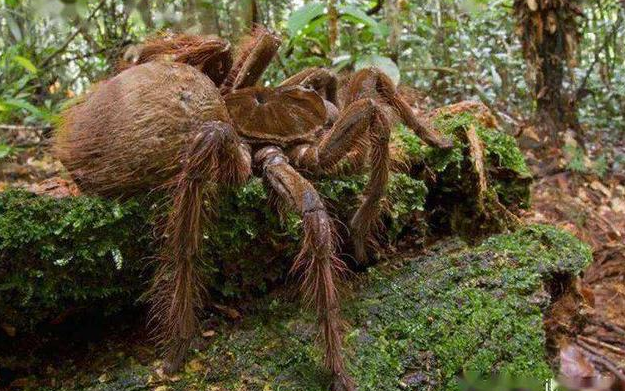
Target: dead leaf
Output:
[(10, 330), (208, 333), (552, 22), (228, 311), (587, 294), (596, 185), (573, 363), (618, 205)]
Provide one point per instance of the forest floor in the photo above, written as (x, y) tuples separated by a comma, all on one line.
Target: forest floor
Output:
[(588, 324)]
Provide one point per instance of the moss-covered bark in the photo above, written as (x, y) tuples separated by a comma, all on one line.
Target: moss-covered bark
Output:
[(414, 324), (84, 254), (60, 256)]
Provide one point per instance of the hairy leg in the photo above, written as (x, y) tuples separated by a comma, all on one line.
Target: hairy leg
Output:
[(215, 157), (317, 261), (319, 79), (211, 55), (363, 223), (364, 129), (254, 54), (375, 84)]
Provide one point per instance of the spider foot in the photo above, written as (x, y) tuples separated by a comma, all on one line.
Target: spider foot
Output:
[(175, 356), (342, 382), (362, 228)]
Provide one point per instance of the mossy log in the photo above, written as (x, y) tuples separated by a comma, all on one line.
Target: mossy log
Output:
[(414, 324), (58, 256), (76, 254)]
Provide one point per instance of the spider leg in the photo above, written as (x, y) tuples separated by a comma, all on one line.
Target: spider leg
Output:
[(215, 157), (254, 56), (319, 79), (317, 260), (373, 83), (362, 129), (209, 54)]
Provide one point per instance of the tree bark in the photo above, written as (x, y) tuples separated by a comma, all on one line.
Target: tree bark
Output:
[(392, 17), (551, 108), (550, 34), (333, 26)]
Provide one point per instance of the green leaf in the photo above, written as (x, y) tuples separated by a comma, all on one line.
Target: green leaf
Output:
[(385, 64), (302, 16), (5, 150), (25, 63), (40, 113), (361, 16), (15, 30)]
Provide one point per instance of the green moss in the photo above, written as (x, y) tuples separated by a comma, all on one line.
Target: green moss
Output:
[(414, 324), (56, 255), (452, 200), (84, 252)]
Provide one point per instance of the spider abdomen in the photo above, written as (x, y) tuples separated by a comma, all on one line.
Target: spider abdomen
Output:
[(128, 133)]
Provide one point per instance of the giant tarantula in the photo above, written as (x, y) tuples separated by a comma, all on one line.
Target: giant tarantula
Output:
[(187, 118)]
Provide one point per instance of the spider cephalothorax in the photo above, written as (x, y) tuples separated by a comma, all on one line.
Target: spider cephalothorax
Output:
[(186, 118)]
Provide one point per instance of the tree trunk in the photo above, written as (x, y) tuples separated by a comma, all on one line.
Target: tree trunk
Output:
[(209, 18), (551, 108), (145, 10), (392, 16), (333, 26), (250, 14), (550, 35)]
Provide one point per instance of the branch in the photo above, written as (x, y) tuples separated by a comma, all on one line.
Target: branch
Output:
[(597, 356), (71, 37), (598, 50)]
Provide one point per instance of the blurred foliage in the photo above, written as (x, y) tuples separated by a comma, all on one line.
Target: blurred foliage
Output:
[(452, 50)]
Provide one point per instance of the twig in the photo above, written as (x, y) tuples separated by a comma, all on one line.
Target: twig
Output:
[(613, 327), (582, 85), (605, 345), (93, 53), (25, 127), (66, 44), (449, 70), (596, 356), (71, 37)]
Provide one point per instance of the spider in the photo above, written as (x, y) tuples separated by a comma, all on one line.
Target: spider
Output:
[(187, 118)]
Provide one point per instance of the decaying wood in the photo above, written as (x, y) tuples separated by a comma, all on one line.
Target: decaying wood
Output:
[(476, 150)]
